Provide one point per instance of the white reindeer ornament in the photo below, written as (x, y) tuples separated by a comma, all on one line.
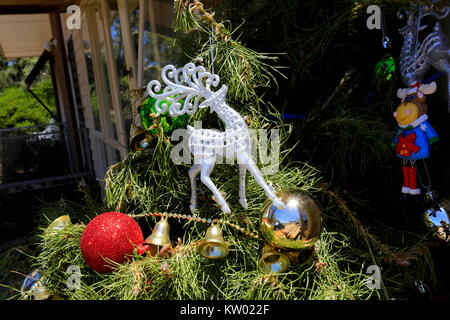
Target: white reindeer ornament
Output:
[(193, 83)]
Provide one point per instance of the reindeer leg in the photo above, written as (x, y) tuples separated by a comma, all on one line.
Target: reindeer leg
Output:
[(251, 166), (242, 196), (193, 172), (206, 168)]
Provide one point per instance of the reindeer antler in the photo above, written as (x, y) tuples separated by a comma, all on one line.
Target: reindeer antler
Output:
[(431, 11), (414, 16), (190, 83), (401, 93), (428, 88), (424, 89)]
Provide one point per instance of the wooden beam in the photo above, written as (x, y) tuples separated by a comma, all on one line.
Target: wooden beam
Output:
[(35, 6)]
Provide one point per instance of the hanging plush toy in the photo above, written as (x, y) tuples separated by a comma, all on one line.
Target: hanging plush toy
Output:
[(415, 135)]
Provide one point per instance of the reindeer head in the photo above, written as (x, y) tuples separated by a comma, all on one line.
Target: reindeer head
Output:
[(413, 103), (414, 56), (414, 15), (191, 83)]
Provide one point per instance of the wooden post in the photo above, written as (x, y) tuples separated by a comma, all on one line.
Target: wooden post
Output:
[(151, 16), (114, 80), (128, 46), (64, 91), (142, 10), (100, 84), (135, 76)]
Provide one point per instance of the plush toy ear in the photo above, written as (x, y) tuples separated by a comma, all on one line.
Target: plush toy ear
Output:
[(428, 88), (401, 93)]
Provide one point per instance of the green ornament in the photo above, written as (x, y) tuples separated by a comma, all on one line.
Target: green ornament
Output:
[(385, 68), (167, 123)]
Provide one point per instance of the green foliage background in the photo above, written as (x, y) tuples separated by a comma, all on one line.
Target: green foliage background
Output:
[(18, 108)]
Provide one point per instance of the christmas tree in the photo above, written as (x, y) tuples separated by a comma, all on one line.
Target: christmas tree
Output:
[(327, 119)]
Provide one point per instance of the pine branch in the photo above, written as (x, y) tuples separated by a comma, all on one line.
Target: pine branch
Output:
[(243, 70)]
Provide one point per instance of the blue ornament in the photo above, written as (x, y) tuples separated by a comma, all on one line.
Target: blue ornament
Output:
[(34, 286)]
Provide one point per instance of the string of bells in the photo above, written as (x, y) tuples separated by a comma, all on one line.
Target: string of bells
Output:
[(288, 234)]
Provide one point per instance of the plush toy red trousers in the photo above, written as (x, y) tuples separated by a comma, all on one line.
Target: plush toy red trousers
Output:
[(410, 180)]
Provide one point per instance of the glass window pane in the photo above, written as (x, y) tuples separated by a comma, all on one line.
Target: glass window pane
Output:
[(159, 49)]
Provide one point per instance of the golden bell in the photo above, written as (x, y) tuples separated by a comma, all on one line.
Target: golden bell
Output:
[(273, 260), (160, 234), (40, 291), (139, 139), (213, 246), (58, 224), (34, 286)]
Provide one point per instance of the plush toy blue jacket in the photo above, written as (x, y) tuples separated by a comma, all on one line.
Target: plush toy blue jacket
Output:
[(413, 141)]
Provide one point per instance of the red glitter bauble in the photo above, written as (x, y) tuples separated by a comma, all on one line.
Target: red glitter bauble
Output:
[(111, 235)]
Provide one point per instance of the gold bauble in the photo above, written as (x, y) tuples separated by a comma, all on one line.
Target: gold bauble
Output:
[(439, 219), (58, 224), (295, 227)]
